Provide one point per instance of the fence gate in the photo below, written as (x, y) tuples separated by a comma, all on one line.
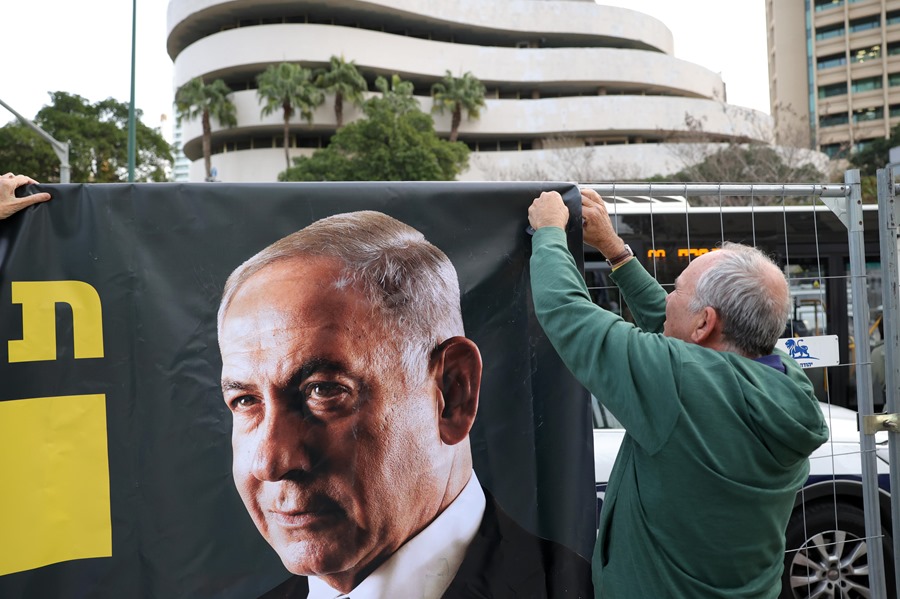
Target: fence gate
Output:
[(836, 543)]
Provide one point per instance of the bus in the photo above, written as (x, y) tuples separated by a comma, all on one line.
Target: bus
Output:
[(808, 240)]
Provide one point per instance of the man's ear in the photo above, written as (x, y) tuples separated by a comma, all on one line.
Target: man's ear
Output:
[(707, 330), (456, 368)]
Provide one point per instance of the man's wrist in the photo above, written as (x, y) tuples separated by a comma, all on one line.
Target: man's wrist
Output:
[(619, 258)]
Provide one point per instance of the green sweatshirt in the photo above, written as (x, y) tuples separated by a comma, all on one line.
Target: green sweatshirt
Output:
[(715, 445)]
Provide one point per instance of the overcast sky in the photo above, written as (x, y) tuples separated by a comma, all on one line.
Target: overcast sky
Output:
[(85, 48)]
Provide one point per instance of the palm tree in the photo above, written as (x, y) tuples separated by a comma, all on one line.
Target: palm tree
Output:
[(288, 87), (396, 94), (457, 94), (196, 98), (344, 81)]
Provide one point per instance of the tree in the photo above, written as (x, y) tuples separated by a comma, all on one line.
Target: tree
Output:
[(876, 153), (745, 163), (22, 150), (288, 87), (344, 81), (396, 95), (198, 99), (458, 94), (98, 143), (707, 157), (395, 141)]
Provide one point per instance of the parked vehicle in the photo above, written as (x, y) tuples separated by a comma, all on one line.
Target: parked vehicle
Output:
[(826, 550)]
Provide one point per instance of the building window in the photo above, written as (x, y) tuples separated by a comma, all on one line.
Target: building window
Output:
[(866, 84), (832, 150), (893, 48), (868, 114), (893, 17), (831, 120), (832, 31), (894, 111), (826, 4), (864, 143), (834, 60), (865, 24), (835, 89), (893, 79), (309, 142), (866, 54)]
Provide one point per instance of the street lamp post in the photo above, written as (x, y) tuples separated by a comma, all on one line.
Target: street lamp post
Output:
[(61, 148), (131, 124)]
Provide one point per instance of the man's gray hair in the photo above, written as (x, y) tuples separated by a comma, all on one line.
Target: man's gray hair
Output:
[(739, 286), (411, 284)]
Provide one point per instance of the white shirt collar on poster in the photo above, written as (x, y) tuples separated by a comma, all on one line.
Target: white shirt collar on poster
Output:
[(435, 554)]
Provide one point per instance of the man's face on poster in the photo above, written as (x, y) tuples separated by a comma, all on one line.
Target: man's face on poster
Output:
[(337, 456)]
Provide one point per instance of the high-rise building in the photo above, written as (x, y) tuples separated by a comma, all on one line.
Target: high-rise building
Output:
[(834, 71), (181, 168), (574, 83)]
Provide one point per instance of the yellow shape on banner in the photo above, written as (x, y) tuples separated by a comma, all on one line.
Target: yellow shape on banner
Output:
[(54, 468), (39, 299)]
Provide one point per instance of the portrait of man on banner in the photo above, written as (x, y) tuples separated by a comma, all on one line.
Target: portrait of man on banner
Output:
[(353, 389)]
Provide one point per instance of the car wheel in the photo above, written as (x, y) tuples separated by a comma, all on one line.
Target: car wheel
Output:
[(828, 560)]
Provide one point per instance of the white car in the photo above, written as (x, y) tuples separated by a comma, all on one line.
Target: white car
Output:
[(825, 539)]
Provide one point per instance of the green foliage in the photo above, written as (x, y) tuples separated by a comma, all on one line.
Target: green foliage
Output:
[(344, 81), (198, 99), (396, 95), (207, 101), (395, 142), (869, 189), (876, 153), (458, 94), (98, 143), (288, 87), (22, 150)]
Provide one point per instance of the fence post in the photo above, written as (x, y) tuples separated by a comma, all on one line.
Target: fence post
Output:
[(888, 221), (865, 404)]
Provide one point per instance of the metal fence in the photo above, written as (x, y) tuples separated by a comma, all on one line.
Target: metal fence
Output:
[(839, 541)]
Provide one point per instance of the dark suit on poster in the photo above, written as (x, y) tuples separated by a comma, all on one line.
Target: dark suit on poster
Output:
[(504, 561)]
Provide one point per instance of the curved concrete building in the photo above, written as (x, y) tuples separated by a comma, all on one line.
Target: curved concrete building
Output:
[(567, 80)]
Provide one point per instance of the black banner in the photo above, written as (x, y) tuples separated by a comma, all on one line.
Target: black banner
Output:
[(115, 442)]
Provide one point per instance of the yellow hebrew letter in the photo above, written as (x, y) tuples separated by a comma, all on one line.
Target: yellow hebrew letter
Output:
[(656, 253), (39, 299), (55, 502)]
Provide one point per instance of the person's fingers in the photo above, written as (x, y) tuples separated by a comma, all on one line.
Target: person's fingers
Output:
[(591, 195), (550, 196), (12, 206), (34, 198), (24, 180)]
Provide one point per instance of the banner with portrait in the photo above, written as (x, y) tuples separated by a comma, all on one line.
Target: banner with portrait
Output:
[(115, 441)]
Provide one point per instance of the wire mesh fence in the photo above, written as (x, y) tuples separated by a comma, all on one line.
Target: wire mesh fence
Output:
[(839, 541)]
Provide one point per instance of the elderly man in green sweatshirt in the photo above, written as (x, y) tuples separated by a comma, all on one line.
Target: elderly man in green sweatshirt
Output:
[(718, 425)]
